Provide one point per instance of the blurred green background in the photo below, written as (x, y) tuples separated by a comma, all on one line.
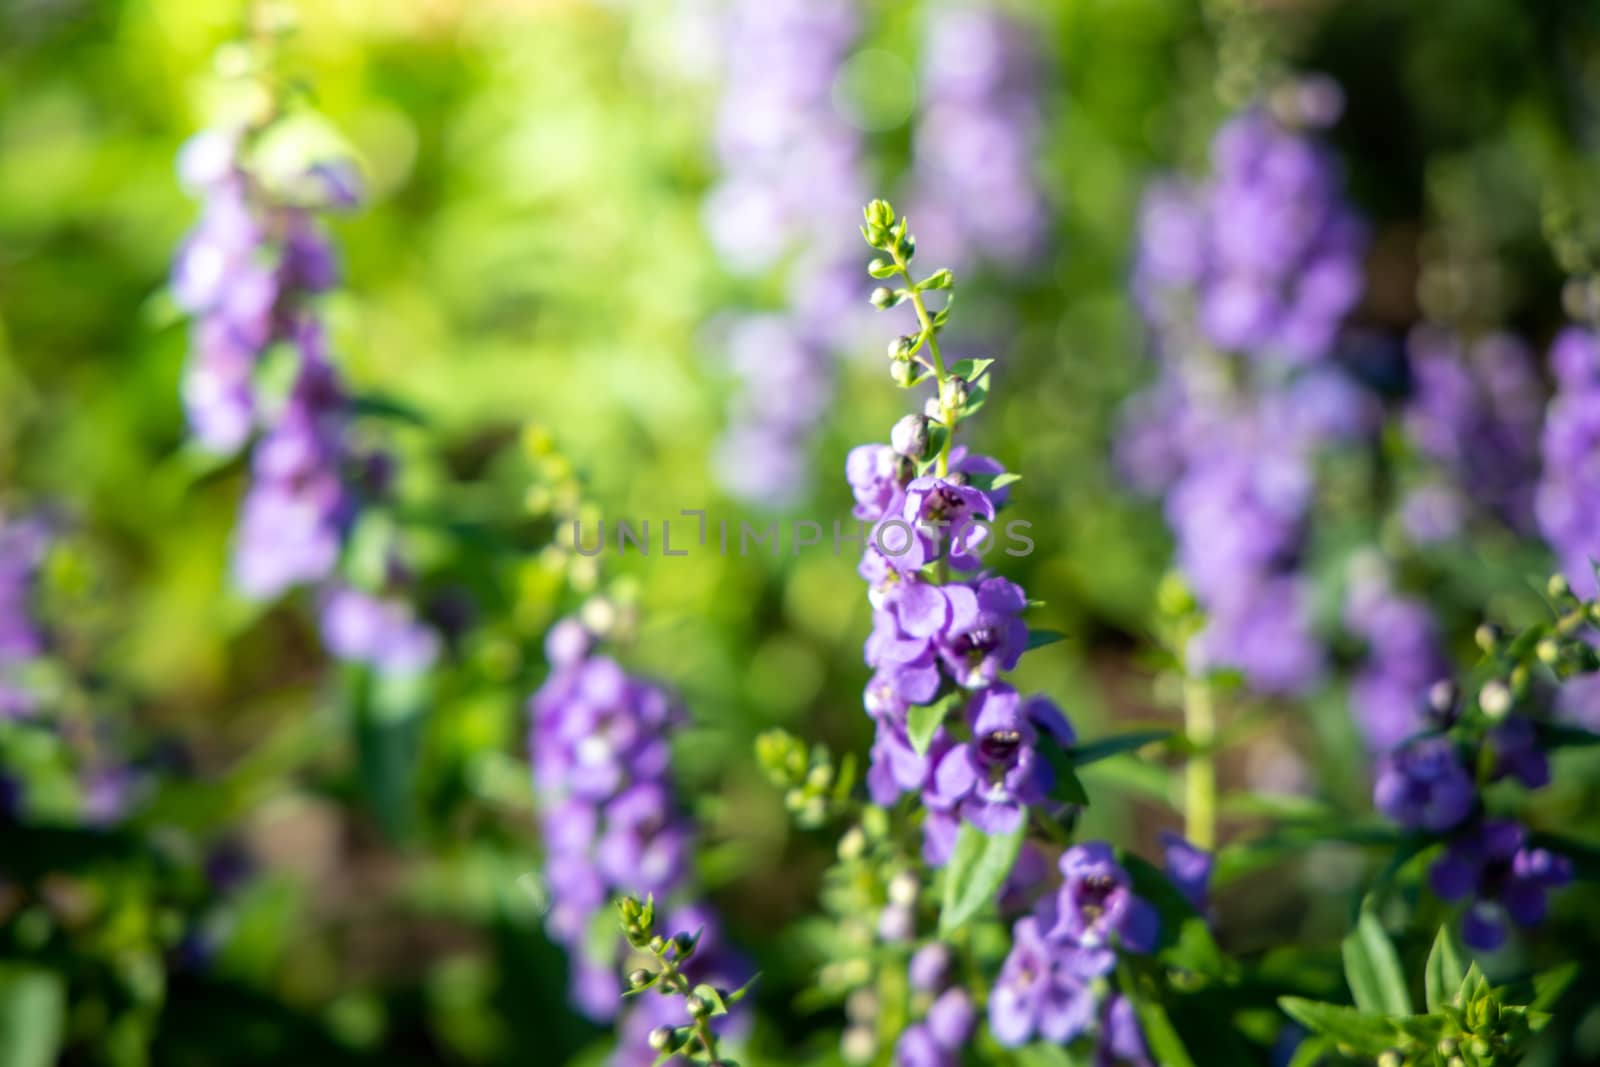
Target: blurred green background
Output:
[(534, 254)]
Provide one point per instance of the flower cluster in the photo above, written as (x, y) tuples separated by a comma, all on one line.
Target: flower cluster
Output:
[(1245, 281), (1433, 782), (977, 138), (23, 544), (941, 642), (260, 374), (1392, 692), (1568, 495), (610, 822), (1473, 412), (1048, 985), (792, 170)]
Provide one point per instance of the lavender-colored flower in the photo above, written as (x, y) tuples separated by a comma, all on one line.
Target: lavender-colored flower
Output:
[(1245, 280), (610, 823), (1423, 786), (976, 139), (23, 544), (930, 968), (1518, 753), (1405, 657), (1098, 911), (382, 632), (1121, 1041), (1492, 862), (978, 644), (992, 780), (1041, 990), (877, 477), (943, 512), (1567, 501), (1475, 411), (792, 170), (1189, 869)]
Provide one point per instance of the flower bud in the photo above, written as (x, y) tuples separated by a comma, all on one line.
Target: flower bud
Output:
[(953, 394), (639, 979), (1557, 587), (1495, 699), (939, 279), (1443, 696), (902, 347), (1549, 651), (852, 844), (684, 943), (658, 944), (661, 1038), (883, 298), (910, 436), (903, 889), (1488, 637), (697, 1007), (903, 372), (879, 213)]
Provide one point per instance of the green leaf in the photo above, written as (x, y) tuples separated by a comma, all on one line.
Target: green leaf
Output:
[(970, 370), (978, 867), (740, 993), (380, 406), (1372, 968), (1445, 969), (1309, 1053), (1548, 986), (1557, 735), (1370, 1034), (989, 482), (924, 720), (33, 1007), (1041, 638), (1083, 755), (709, 994)]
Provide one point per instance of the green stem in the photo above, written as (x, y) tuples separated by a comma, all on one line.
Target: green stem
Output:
[(1200, 777), (931, 338)]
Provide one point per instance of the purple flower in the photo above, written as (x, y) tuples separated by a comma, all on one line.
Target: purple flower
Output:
[(930, 967), (1518, 754), (992, 780), (1405, 657), (1097, 910), (1567, 501), (1422, 786), (976, 141), (1121, 1041), (1189, 869), (1041, 990), (877, 477), (381, 632), (938, 508), (1492, 862), (986, 636)]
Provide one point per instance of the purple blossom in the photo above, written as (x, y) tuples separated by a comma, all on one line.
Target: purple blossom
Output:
[(977, 139), (1423, 786), (611, 825), (1189, 869), (983, 640), (1097, 910), (1518, 753), (992, 780), (1245, 280), (382, 632), (1567, 501), (1474, 411), (940, 510), (1405, 657), (1491, 862), (1041, 990), (1121, 1040), (792, 169)]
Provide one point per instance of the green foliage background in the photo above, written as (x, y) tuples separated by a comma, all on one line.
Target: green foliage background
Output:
[(534, 254)]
